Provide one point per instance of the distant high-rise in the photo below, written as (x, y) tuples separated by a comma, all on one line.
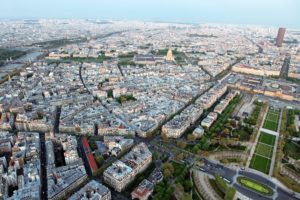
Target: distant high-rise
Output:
[(280, 36)]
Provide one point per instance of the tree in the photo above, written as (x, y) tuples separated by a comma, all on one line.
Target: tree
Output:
[(163, 190), (122, 99), (187, 196), (226, 131), (169, 166), (155, 155), (205, 146), (195, 149), (181, 144), (230, 193), (199, 152), (99, 160), (203, 142), (191, 137), (167, 173), (110, 93), (93, 144), (218, 129), (225, 161), (159, 190), (221, 183), (233, 123), (179, 156), (187, 185), (179, 187)]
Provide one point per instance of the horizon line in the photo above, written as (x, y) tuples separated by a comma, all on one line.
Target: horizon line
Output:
[(151, 21)]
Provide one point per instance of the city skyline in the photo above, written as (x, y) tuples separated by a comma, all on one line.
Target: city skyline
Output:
[(276, 13), (149, 100)]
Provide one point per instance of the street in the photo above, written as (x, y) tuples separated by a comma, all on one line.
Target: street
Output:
[(231, 174)]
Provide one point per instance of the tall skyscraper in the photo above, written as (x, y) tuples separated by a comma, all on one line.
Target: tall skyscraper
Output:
[(280, 36)]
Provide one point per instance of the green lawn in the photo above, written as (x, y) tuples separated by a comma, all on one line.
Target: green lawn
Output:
[(264, 150), (260, 163), (255, 186), (273, 117), (270, 125), (261, 159), (267, 138)]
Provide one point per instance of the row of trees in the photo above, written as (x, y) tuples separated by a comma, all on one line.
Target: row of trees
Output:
[(163, 190), (290, 125), (183, 185), (217, 128), (126, 61), (254, 115), (228, 192), (243, 132), (7, 54), (223, 118), (99, 59), (168, 170)]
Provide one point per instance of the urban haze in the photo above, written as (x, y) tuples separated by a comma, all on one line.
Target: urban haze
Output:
[(150, 100)]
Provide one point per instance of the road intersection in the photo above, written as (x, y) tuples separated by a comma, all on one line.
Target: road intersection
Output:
[(230, 175)]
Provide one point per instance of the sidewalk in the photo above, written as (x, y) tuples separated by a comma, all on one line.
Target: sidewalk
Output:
[(256, 139), (269, 131), (275, 146)]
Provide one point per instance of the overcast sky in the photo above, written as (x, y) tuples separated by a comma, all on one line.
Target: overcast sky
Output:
[(284, 13)]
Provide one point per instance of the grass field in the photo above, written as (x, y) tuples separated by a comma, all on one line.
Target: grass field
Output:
[(264, 150), (270, 125), (260, 163), (262, 156), (273, 116), (267, 138), (255, 186), (272, 119)]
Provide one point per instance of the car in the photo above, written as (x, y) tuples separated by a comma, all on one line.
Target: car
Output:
[(225, 179), (220, 166), (201, 169)]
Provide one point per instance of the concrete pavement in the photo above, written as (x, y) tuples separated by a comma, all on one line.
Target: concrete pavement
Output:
[(269, 131)]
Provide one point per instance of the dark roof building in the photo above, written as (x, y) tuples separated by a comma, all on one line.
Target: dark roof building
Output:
[(280, 36)]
